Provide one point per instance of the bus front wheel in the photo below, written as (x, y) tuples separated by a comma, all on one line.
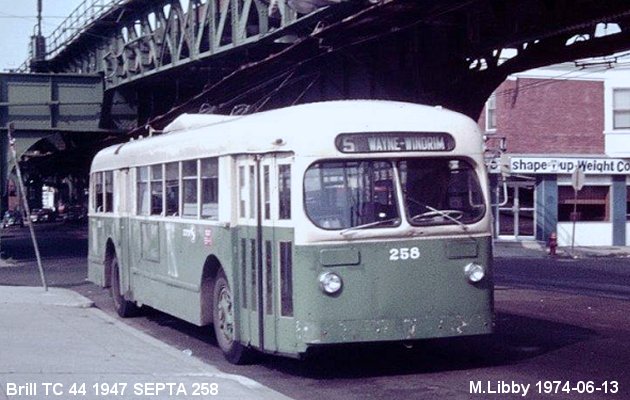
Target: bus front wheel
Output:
[(124, 308), (224, 322)]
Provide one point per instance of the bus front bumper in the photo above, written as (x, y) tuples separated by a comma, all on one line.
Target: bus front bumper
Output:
[(357, 331)]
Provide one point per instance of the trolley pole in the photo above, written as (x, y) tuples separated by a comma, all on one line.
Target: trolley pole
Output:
[(25, 205)]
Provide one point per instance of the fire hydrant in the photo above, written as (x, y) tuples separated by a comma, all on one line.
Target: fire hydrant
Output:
[(553, 243)]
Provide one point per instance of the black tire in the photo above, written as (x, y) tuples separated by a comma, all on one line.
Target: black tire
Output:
[(123, 307), (224, 324)]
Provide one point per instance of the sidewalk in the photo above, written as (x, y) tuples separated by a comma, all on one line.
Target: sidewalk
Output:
[(534, 249), (57, 341)]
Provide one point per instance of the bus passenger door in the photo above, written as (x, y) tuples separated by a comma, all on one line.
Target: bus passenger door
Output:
[(276, 242), (265, 244), (122, 208), (245, 276)]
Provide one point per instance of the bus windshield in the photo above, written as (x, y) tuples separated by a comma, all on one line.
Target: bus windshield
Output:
[(440, 191), (345, 194), (362, 193)]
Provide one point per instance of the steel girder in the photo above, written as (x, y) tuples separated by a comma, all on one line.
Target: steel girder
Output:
[(445, 52), (138, 38), (433, 52)]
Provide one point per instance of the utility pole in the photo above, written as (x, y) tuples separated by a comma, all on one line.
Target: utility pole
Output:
[(38, 44), (39, 18), (25, 204)]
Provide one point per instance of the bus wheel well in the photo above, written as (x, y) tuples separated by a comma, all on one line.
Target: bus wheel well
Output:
[(110, 253), (211, 268)]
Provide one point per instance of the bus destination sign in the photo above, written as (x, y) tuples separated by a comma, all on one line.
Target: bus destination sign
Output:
[(380, 142)]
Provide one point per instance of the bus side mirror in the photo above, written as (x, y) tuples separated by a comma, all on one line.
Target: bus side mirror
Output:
[(502, 200), (504, 168)]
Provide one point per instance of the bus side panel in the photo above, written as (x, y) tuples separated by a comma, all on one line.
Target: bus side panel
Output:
[(101, 230), (242, 274), (387, 298), (168, 262), (285, 312), (118, 228), (96, 252)]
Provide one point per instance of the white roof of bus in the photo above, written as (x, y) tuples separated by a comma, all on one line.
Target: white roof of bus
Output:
[(307, 130), (192, 121)]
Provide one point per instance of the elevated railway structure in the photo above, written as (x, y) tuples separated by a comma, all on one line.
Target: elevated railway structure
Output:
[(159, 58), (156, 55)]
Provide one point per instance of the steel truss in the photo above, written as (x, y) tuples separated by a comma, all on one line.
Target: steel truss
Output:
[(447, 52), (136, 38)]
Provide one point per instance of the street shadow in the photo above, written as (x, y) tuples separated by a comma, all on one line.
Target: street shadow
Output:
[(204, 334), (516, 338), (55, 240)]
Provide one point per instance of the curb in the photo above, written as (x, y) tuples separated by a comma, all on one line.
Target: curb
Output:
[(57, 297)]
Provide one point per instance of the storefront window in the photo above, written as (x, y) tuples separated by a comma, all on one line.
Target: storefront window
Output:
[(591, 203)]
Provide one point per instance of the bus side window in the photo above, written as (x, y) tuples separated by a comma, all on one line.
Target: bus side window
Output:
[(252, 191), (286, 279), (242, 188), (284, 191), (109, 191), (98, 191), (142, 177), (210, 188), (157, 190), (172, 189), (266, 193), (189, 182)]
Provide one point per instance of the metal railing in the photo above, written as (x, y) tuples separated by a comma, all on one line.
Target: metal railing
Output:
[(82, 16), (167, 33)]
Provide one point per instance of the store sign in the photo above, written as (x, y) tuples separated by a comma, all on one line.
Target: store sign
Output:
[(380, 142), (561, 165)]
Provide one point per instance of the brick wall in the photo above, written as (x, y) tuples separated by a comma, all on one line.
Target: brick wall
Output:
[(550, 116)]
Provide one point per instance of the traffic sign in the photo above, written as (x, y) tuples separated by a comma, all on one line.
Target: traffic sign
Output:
[(577, 179)]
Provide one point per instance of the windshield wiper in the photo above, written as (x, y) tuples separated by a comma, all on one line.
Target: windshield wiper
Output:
[(443, 213), (369, 225)]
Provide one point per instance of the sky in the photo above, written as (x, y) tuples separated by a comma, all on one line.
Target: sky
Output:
[(17, 19)]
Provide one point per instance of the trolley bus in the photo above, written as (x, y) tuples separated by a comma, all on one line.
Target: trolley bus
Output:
[(326, 223)]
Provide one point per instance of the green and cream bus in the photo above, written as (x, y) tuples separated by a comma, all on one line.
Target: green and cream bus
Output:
[(326, 223)]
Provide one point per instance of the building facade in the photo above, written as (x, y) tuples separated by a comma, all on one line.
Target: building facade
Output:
[(544, 125)]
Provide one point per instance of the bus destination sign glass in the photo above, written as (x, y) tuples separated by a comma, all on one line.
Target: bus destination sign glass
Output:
[(380, 142)]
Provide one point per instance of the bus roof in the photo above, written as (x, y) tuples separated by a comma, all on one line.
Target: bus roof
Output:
[(306, 130)]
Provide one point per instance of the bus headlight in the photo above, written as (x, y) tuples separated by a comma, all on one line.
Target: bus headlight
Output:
[(474, 272), (330, 283)]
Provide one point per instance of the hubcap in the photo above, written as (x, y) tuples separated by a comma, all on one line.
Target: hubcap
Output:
[(226, 315)]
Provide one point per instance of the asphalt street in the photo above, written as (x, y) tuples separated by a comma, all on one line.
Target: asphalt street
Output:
[(561, 320)]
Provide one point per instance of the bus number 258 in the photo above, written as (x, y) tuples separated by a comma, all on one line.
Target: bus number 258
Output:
[(404, 253)]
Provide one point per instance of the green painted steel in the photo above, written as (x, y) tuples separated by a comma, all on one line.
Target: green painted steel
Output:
[(382, 300), (165, 34), (163, 261), (51, 102), (43, 105), (404, 272)]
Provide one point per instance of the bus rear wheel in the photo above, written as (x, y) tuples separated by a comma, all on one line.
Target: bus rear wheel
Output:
[(123, 307), (224, 323)]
